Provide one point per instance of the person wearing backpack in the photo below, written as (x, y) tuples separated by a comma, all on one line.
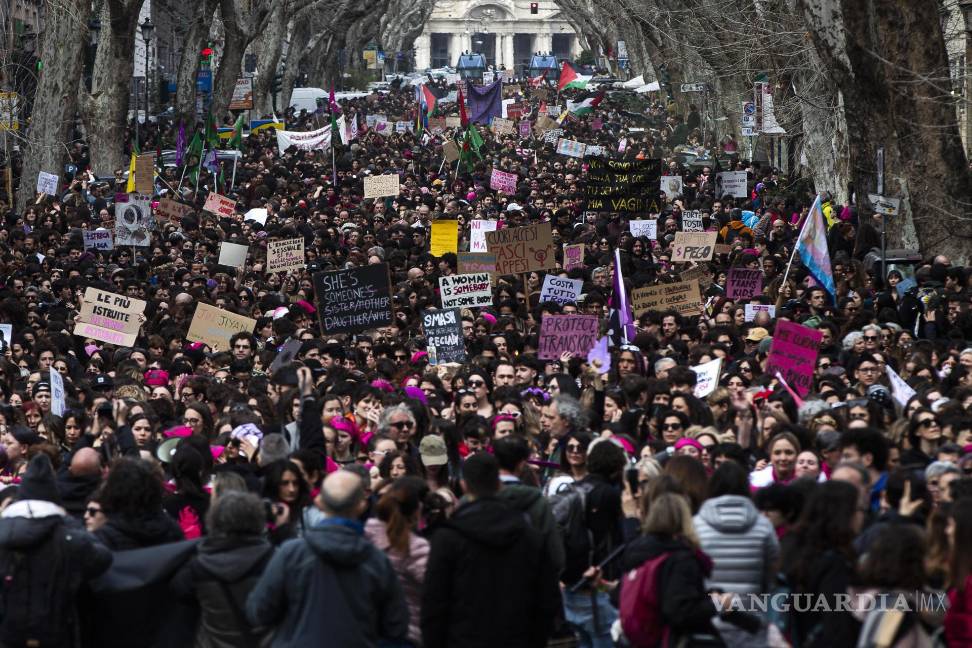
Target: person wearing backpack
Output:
[(45, 556)]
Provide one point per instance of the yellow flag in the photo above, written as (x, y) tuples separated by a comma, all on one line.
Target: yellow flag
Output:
[(130, 187)]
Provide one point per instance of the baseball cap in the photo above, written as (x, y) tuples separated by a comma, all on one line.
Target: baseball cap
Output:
[(156, 378), (102, 382), (757, 334), (433, 451)]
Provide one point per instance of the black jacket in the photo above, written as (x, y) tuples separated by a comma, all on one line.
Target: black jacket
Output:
[(489, 581), (223, 567), (831, 575), (122, 532), (75, 492)]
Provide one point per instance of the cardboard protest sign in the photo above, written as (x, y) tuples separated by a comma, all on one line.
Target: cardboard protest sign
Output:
[(219, 205), (355, 299), (671, 186), (109, 317), (214, 326), (752, 309), (700, 273), (560, 333), (646, 228), (503, 182), (444, 238), (285, 255), (58, 400), (693, 246), (173, 211), (707, 377), (443, 335), (522, 249), (731, 183), (450, 151), (571, 148), (682, 297), (477, 234), (560, 289), (381, 186), (466, 290), (134, 222), (692, 221), (145, 173), (543, 124), (744, 283), (793, 353), (622, 186), (47, 183), (232, 254), (98, 239), (573, 256), (453, 122), (503, 126), (472, 263)]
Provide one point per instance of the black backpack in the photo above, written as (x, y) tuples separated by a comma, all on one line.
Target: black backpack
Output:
[(569, 507), (36, 597)]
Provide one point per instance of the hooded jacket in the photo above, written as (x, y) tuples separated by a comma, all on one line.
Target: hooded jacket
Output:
[(222, 568), (121, 532), (741, 543), (489, 581), (331, 586), (530, 500)]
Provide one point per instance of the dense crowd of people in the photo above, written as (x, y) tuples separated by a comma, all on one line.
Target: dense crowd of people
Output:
[(357, 494)]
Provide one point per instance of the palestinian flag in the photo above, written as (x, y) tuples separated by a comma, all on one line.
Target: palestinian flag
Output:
[(428, 99), (584, 107), (570, 79)]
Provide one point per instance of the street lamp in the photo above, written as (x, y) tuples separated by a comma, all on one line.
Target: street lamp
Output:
[(148, 28)]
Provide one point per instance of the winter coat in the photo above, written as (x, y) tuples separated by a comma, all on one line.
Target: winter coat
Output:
[(410, 570), (121, 532), (530, 500), (223, 567), (741, 542), (76, 491), (489, 581), (330, 587), (830, 576), (958, 618)]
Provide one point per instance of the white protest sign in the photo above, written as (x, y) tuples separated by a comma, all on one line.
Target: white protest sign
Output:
[(99, 239), (571, 148), (900, 390), (257, 214), (47, 183), (381, 186), (752, 309), (560, 289), (58, 400), (286, 255), (477, 234), (732, 183), (707, 377), (692, 221), (232, 254), (647, 228), (6, 335), (134, 221), (466, 290), (671, 186)]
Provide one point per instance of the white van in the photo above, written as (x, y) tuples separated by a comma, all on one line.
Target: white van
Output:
[(306, 98)]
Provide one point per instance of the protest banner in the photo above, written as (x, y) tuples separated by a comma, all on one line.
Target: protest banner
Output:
[(475, 262), (752, 309), (382, 185), (450, 151), (47, 183), (232, 254), (355, 299), (58, 400), (682, 297), (444, 238), (219, 205), (503, 182), (543, 124), (647, 228), (622, 186), (693, 246), (731, 183), (98, 239), (793, 353), (466, 290), (515, 111), (573, 256), (744, 283), (560, 289), (437, 124), (172, 210), (551, 136), (560, 333), (134, 222), (477, 234), (522, 249), (707, 377), (285, 255), (443, 336), (109, 317), (692, 221), (309, 141), (503, 126), (214, 327), (571, 148), (671, 186), (145, 173), (242, 95)]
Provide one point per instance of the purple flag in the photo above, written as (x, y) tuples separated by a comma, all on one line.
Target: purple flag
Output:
[(619, 301), (485, 102), (181, 144)]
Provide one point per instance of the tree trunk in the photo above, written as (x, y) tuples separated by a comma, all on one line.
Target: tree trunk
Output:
[(269, 45), (61, 48), (300, 39), (189, 62)]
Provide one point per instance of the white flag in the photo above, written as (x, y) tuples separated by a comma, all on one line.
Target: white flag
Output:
[(900, 390)]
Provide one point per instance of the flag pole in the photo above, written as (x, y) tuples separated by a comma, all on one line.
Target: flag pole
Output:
[(236, 159), (199, 170)]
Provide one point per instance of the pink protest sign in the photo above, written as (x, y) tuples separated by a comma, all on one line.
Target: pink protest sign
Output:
[(503, 182), (574, 333), (573, 256), (525, 127), (744, 283), (597, 124), (793, 354)]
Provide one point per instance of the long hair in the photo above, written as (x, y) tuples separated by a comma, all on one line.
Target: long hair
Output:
[(670, 516), (826, 524), (960, 560), (399, 509)]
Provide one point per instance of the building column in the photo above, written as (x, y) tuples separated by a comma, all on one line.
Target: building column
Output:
[(508, 57), (543, 43), (423, 51)]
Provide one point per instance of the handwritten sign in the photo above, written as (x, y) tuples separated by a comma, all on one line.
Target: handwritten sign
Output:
[(622, 186), (145, 173), (732, 183), (503, 182), (571, 148), (98, 239), (109, 317), (560, 289), (355, 299), (682, 297), (219, 205), (752, 309), (472, 263), (692, 221), (646, 228), (707, 377), (214, 326), (560, 333), (693, 246), (522, 249), (47, 183), (381, 186), (443, 335), (793, 354), (450, 151), (477, 234), (173, 211), (285, 255), (232, 254), (701, 273), (744, 283), (503, 126), (573, 256), (466, 290), (445, 237)]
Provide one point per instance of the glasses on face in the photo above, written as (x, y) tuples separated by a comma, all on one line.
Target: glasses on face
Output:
[(871, 338), (823, 365), (92, 511), (671, 426), (927, 423), (401, 425), (867, 370), (574, 447), (476, 384), (191, 421)]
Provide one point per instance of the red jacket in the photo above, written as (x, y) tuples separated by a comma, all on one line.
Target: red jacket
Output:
[(958, 618)]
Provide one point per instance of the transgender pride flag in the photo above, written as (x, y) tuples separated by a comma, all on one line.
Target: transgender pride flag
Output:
[(812, 246)]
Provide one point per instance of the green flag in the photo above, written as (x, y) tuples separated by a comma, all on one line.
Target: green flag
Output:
[(471, 144), (195, 146), (236, 142), (212, 133)]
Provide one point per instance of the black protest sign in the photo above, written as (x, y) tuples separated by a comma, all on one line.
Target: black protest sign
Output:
[(354, 300), (628, 186), (443, 334)]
